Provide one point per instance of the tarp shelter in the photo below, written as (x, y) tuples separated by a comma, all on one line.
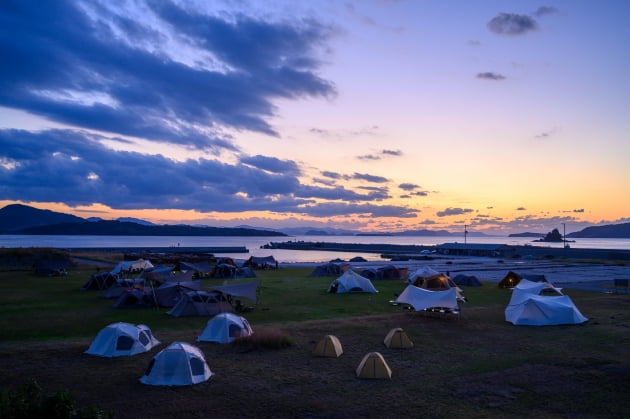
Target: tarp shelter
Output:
[(330, 269), (180, 364), (135, 298), (329, 346), (529, 307), (225, 328), (198, 267), (122, 339), (169, 293), (351, 281), (421, 299), (157, 273), (261, 262), (100, 281), (130, 266), (466, 280), (246, 290), (120, 286), (373, 366), (201, 303), (397, 338)]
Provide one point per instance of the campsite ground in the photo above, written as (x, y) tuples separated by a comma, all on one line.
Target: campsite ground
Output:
[(476, 365)]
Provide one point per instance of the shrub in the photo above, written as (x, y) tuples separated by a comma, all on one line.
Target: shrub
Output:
[(30, 401), (264, 339)]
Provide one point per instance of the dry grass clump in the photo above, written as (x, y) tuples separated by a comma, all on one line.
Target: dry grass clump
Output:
[(264, 339)]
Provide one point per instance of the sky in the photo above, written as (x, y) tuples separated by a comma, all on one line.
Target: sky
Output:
[(376, 116)]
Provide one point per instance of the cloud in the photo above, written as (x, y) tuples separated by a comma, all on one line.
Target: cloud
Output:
[(408, 186), (580, 210), (546, 10), (453, 211), (521, 209), (512, 24), (272, 164), (369, 210), (490, 76), (369, 178), (94, 67), (381, 154)]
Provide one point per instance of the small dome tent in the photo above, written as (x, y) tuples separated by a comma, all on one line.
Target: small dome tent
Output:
[(122, 339), (329, 346), (397, 338), (180, 364), (351, 281), (224, 328), (373, 366)]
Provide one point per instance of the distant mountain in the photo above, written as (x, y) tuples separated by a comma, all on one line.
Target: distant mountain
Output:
[(134, 220), (610, 231), (22, 219), (121, 228), (537, 235), (17, 217)]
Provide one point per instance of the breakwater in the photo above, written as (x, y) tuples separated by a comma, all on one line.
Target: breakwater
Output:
[(401, 251)]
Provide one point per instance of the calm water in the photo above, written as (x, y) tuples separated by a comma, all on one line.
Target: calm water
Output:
[(253, 244)]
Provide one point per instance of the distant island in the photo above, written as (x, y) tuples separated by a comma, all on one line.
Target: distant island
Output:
[(553, 236), (26, 220)]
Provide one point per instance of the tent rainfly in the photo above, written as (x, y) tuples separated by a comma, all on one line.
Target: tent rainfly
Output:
[(373, 366), (351, 281), (397, 338), (420, 298), (329, 346), (201, 303), (122, 339), (180, 364), (225, 328), (528, 307)]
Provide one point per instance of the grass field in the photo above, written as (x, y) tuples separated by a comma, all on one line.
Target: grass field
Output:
[(477, 365)]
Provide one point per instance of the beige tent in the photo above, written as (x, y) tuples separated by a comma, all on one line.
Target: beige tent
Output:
[(398, 339), (373, 366), (329, 346)]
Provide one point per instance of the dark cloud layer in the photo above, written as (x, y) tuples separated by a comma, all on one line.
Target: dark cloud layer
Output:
[(98, 69), (512, 24), (75, 168)]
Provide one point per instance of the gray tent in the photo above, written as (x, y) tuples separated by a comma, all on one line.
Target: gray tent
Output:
[(201, 303), (169, 293)]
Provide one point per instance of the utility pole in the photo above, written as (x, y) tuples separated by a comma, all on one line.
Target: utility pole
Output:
[(465, 234)]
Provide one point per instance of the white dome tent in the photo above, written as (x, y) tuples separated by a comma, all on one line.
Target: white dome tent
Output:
[(224, 328), (122, 339), (180, 364)]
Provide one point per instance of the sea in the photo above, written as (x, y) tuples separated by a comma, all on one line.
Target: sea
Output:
[(254, 244)]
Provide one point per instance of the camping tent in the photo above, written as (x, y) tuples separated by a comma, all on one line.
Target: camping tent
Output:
[(131, 266), (330, 269), (385, 272), (224, 328), (247, 290), (180, 364), (201, 303), (261, 262), (420, 298), (528, 306), (467, 280), (122, 339), (169, 293), (135, 298), (432, 280), (373, 365), (100, 281), (398, 339), (329, 346), (351, 281)]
